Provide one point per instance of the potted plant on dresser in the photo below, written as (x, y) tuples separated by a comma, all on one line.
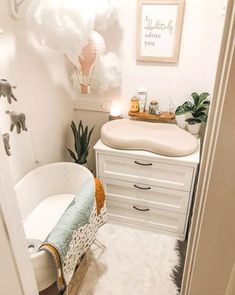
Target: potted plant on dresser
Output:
[(82, 138), (182, 113), (195, 113)]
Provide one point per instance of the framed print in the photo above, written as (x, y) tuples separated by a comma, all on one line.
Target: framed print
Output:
[(159, 26)]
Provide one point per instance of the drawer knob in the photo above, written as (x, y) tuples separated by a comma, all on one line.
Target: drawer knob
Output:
[(138, 209), (142, 164), (143, 188)]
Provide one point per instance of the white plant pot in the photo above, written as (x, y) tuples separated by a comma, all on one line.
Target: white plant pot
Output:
[(194, 129), (180, 119)]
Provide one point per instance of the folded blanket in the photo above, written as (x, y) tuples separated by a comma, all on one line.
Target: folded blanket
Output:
[(75, 231)]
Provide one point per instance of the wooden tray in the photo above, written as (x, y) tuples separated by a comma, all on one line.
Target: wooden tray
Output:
[(146, 116)]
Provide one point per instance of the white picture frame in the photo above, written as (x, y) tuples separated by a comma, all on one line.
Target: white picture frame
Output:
[(159, 29)]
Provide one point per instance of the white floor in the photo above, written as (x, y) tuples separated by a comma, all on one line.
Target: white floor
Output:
[(134, 262)]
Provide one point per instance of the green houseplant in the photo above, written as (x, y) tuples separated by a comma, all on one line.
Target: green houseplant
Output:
[(82, 138), (195, 111)]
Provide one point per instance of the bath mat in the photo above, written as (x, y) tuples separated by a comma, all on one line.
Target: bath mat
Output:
[(131, 261)]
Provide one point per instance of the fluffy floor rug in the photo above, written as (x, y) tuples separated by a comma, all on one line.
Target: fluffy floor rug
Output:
[(178, 270), (133, 262)]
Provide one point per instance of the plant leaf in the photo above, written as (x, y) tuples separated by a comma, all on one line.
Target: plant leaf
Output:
[(206, 102), (84, 143), (203, 117), (180, 111), (71, 154), (83, 159), (80, 129), (75, 132), (196, 98), (188, 106), (203, 96), (74, 129), (198, 113), (201, 108), (77, 144), (184, 108), (78, 147)]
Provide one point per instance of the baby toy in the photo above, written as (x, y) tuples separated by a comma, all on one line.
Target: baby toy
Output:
[(6, 90), (6, 141), (18, 120)]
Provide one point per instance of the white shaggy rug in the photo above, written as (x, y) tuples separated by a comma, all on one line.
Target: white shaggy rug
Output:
[(134, 262)]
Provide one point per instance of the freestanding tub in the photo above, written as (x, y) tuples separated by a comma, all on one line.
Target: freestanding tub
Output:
[(43, 195)]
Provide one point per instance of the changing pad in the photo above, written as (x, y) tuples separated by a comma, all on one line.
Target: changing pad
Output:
[(161, 138)]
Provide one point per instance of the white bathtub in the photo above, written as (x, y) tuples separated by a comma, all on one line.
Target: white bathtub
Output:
[(43, 195)]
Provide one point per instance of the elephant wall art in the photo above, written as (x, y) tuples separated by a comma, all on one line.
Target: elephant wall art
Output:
[(6, 90), (18, 120)]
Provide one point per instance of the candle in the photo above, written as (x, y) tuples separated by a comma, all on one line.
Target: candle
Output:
[(115, 110)]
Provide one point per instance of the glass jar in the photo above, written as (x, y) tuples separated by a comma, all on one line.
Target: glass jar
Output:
[(153, 107), (134, 104)]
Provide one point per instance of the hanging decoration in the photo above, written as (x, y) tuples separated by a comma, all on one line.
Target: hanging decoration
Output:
[(6, 141), (70, 27), (6, 90), (18, 121), (91, 52)]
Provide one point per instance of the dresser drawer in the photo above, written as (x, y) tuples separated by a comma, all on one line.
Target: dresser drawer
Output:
[(153, 218), (155, 197), (142, 171)]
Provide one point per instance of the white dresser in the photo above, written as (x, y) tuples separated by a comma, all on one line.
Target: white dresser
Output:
[(147, 190)]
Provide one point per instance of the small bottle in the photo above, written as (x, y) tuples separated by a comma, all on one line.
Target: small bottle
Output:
[(153, 107), (142, 96)]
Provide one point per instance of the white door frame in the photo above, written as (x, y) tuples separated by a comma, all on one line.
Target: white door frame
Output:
[(211, 137), (13, 231)]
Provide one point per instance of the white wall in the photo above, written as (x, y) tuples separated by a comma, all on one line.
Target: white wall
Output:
[(196, 68), (43, 92), (44, 87), (195, 71)]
